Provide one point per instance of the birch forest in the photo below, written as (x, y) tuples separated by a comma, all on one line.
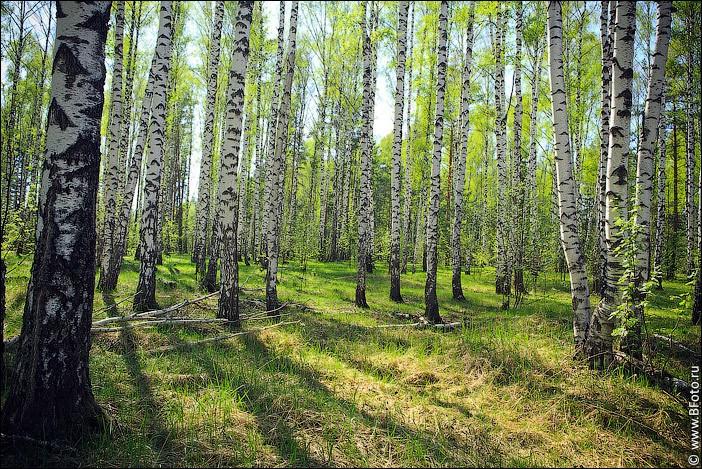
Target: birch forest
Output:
[(350, 234)]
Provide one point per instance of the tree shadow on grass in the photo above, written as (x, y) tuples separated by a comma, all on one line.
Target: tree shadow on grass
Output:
[(290, 403)]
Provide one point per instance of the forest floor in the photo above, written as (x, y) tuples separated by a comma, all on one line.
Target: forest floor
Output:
[(334, 389)]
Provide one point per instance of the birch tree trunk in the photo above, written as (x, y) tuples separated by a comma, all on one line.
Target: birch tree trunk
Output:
[(50, 396), (365, 195), (200, 248), (276, 167), (460, 169), (660, 209), (430, 299), (518, 186), (114, 171), (565, 182), (601, 326), (607, 13), (534, 250), (229, 296), (502, 276), (407, 202), (272, 167), (145, 297), (397, 154), (632, 343)]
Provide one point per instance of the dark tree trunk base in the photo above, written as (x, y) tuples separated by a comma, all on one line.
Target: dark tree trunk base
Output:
[(65, 420), (361, 297)]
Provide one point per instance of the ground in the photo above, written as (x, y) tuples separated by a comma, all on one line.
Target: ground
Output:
[(333, 389)]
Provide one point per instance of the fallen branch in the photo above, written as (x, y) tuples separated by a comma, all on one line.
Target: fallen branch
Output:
[(168, 348), (679, 347), (661, 378), (154, 313), (157, 323), (114, 305)]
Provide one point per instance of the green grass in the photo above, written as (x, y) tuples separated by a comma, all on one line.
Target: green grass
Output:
[(335, 390)]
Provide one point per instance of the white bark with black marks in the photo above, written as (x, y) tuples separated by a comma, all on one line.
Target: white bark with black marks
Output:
[(459, 172), (565, 182), (146, 289), (50, 396), (431, 302), (228, 188), (395, 294), (200, 249)]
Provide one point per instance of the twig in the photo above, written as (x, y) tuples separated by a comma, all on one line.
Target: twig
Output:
[(154, 313), (117, 303), (215, 339), (159, 322)]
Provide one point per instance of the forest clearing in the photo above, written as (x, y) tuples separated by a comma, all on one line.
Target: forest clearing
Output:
[(350, 234), (334, 389)]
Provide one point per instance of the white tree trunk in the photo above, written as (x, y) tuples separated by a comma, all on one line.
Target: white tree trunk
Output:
[(397, 153), (660, 209), (145, 297), (200, 248), (50, 396), (649, 133), (601, 326), (502, 275), (228, 188), (364, 202), (114, 171), (565, 183), (459, 172), (430, 299), (276, 166)]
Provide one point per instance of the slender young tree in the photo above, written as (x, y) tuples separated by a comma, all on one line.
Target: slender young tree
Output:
[(660, 208), (397, 153), (565, 183), (518, 168), (607, 14), (200, 250), (407, 202), (276, 167), (114, 171), (50, 396), (364, 203), (145, 297), (229, 297), (502, 275), (430, 299), (459, 172), (602, 324), (632, 343), (690, 211)]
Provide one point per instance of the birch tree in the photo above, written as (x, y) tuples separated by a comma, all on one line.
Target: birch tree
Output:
[(365, 195), (397, 153), (50, 396), (602, 325), (661, 198), (565, 182), (145, 297), (275, 193), (502, 275), (229, 296), (460, 169), (644, 168), (114, 171), (203, 198), (430, 299)]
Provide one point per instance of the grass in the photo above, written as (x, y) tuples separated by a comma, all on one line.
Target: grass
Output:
[(334, 390)]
